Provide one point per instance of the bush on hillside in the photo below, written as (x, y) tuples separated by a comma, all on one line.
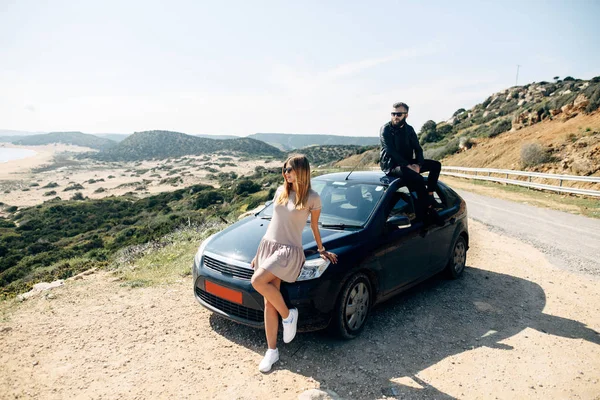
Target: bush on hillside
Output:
[(499, 127), (533, 154), (594, 103), (246, 186), (438, 153)]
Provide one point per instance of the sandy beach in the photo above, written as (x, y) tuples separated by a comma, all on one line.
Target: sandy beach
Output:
[(53, 169)]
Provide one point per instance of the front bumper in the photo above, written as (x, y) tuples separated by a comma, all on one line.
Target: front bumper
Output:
[(314, 299)]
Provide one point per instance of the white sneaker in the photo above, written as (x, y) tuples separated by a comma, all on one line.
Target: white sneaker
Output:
[(271, 357), (289, 325)]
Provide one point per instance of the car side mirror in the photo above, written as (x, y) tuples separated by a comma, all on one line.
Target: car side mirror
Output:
[(399, 221)]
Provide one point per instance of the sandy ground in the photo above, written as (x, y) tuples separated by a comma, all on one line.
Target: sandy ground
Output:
[(514, 326), (22, 181)]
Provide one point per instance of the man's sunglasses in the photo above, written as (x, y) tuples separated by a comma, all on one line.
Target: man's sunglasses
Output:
[(288, 170), (399, 114)]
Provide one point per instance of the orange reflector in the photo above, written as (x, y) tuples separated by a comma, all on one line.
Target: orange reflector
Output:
[(223, 292)]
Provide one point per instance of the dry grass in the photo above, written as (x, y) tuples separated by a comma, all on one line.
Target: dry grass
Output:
[(504, 151)]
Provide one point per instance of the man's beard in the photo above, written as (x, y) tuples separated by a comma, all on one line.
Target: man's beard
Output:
[(399, 124)]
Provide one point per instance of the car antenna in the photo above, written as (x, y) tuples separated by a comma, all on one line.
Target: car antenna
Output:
[(363, 157)]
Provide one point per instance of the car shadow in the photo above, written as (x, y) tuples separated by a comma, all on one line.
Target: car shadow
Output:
[(414, 331)]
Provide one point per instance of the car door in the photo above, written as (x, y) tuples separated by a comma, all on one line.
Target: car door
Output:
[(440, 237), (405, 249)]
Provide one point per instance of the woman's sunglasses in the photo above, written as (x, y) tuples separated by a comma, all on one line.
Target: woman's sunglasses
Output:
[(287, 170)]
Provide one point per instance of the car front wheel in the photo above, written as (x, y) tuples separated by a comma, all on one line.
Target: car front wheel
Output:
[(458, 258), (352, 307)]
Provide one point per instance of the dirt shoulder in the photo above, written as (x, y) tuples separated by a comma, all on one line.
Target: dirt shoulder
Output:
[(514, 326)]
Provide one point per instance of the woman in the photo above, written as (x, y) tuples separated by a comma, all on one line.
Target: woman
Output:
[(280, 255)]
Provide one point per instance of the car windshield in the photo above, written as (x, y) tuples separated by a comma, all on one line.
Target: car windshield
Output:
[(344, 204)]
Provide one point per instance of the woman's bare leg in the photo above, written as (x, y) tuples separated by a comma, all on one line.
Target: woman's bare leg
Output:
[(272, 320), (263, 282)]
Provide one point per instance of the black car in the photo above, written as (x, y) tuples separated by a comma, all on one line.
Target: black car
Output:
[(368, 219)]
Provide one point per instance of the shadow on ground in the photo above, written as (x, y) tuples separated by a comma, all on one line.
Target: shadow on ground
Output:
[(414, 331)]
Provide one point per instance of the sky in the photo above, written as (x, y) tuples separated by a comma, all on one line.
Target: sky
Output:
[(242, 67)]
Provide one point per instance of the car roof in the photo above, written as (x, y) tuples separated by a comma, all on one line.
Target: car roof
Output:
[(372, 177)]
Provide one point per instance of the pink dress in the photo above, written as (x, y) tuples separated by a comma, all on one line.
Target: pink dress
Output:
[(280, 251)]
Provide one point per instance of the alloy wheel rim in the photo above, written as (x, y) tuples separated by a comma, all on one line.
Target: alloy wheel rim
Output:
[(460, 252), (357, 306)]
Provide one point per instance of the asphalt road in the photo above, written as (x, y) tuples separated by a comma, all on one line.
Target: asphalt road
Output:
[(570, 241)]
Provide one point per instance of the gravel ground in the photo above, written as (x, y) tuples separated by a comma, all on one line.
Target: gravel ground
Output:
[(514, 326)]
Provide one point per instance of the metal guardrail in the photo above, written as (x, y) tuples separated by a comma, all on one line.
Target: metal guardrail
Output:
[(529, 183)]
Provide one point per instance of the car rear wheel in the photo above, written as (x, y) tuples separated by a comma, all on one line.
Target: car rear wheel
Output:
[(458, 258), (352, 307)]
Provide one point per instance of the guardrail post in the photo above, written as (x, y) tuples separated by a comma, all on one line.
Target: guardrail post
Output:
[(560, 182)]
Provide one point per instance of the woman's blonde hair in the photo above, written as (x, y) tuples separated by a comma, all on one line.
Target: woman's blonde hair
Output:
[(299, 163)]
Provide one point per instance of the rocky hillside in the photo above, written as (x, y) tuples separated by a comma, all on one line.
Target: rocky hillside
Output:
[(165, 144), (550, 127), (510, 110)]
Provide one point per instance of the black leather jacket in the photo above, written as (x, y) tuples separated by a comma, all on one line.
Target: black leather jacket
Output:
[(399, 147)]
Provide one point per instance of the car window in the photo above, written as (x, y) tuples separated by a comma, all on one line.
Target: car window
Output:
[(343, 202), (403, 204)]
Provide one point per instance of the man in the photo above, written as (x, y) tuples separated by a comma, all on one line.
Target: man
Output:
[(401, 156)]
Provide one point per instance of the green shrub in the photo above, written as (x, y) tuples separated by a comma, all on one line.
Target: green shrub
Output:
[(246, 186), (533, 154), (594, 103), (50, 185), (76, 186), (78, 196), (499, 127), (50, 193)]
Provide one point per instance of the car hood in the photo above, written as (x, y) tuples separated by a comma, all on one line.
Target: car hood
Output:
[(240, 241)]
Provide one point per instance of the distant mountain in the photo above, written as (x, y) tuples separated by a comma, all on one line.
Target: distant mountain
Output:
[(117, 137), (321, 155), (166, 144), (74, 138), (218, 136), (287, 141), (9, 132)]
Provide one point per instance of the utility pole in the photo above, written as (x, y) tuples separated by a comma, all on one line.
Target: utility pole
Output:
[(517, 80)]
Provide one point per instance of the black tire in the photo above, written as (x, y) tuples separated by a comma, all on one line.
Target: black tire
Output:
[(352, 307), (458, 259)]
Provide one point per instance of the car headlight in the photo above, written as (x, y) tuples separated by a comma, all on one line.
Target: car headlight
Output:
[(313, 268), (201, 250)]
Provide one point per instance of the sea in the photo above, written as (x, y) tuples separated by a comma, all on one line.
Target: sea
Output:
[(9, 154)]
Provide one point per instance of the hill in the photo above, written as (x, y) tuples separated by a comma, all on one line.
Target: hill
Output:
[(544, 127), (165, 144), (117, 137), (218, 136), (511, 110), (74, 138), (286, 141), (12, 133), (321, 155)]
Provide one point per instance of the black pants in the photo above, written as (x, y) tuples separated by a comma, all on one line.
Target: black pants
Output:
[(416, 183)]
